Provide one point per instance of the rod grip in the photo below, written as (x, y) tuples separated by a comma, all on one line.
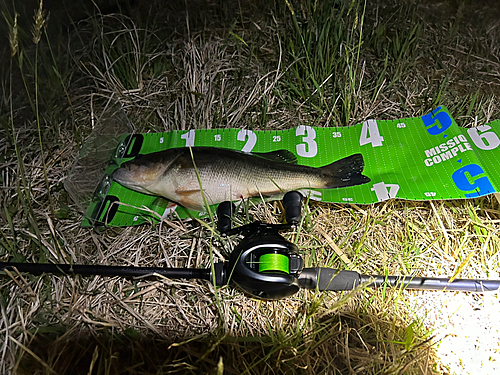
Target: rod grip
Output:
[(328, 279)]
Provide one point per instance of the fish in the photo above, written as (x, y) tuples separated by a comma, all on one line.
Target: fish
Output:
[(229, 175)]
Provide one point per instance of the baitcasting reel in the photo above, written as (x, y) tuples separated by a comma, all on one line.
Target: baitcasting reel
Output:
[(264, 264)]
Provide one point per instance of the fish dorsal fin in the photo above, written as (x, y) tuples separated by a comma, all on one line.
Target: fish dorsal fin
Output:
[(282, 156)]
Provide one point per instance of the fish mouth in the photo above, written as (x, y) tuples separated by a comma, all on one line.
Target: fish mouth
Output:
[(122, 175), (130, 177)]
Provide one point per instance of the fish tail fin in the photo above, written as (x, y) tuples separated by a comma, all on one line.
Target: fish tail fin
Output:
[(345, 172)]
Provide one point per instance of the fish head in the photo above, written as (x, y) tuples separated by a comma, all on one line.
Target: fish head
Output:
[(140, 175)]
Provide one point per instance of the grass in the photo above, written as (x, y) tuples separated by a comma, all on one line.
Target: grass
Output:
[(246, 65)]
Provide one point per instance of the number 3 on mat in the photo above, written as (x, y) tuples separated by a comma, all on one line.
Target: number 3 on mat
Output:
[(311, 149)]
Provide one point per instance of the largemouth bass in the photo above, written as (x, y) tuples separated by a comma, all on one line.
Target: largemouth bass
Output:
[(231, 175)]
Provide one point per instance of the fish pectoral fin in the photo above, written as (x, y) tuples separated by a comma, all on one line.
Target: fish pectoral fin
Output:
[(187, 193), (188, 199)]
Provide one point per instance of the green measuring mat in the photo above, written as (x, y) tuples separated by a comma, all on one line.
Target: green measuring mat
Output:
[(422, 158)]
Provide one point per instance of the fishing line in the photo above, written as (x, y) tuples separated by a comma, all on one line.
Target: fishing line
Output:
[(274, 263)]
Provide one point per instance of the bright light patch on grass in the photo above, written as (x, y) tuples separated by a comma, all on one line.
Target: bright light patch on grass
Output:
[(465, 327)]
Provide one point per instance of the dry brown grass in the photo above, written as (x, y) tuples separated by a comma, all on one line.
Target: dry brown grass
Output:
[(55, 324)]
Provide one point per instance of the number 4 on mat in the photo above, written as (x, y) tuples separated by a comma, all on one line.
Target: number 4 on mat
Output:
[(370, 134)]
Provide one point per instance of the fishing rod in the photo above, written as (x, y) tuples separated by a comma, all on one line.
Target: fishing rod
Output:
[(264, 264)]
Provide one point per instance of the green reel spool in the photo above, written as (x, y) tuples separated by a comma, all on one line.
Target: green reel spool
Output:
[(274, 263)]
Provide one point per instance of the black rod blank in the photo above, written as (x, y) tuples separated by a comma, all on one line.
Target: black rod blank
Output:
[(68, 269)]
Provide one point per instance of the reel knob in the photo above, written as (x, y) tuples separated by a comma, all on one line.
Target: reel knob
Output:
[(224, 212), (292, 201)]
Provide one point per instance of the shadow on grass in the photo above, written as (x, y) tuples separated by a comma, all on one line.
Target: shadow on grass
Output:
[(344, 344)]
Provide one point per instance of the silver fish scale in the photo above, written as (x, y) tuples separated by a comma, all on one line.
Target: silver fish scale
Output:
[(238, 175)]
